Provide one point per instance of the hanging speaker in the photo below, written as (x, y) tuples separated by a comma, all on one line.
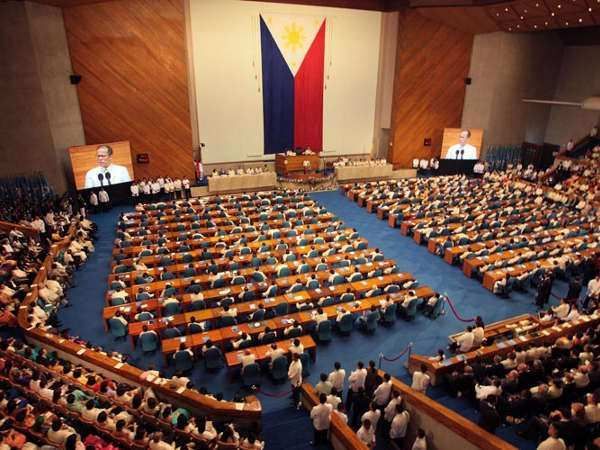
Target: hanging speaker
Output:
[(75, 79)]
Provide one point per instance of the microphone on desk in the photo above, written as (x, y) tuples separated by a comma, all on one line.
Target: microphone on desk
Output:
[(101, 178), (107, 175)]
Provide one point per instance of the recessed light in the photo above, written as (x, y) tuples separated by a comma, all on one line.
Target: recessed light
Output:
[(546, 23), (525, 11), (521, 17), (497, 14), (506, 9), (537, 5), (535, 26), (559, 6), (509, 29), (518, 26), (590, 9), (552, 14), (567, 23), (580, 20)]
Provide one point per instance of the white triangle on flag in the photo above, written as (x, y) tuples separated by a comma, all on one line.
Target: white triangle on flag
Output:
[(293, 34)]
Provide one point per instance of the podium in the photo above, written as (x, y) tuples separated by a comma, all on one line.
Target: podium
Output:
[(456, 166), (284, 165)]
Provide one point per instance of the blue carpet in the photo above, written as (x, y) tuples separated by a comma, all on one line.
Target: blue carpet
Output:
[(82, 318)]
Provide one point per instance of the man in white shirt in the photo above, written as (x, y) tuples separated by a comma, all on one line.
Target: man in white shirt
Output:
[(462, 150), (337, 377), (399, 426), (247, 358), (105, 173), (366, 433), (321, 418), (553, 442), (357, 381), (381, 396), (295, 377), (420, 380), (465, 340), (273, 353)]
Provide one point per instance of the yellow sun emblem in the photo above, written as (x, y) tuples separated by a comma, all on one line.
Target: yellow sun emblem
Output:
[(293, 36)]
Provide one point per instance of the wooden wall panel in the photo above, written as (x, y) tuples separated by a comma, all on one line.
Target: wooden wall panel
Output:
[(131, 55), (429, 90)]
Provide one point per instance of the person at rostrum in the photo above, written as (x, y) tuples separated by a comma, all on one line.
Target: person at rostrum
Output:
[(117, 174)]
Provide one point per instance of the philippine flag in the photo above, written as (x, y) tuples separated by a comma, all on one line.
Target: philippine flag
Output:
[(293, 61)]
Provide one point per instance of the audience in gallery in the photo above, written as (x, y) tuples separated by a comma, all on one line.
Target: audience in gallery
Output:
[(161, 188), (239, 171), (65, 402), (373, 408), (347, 162)]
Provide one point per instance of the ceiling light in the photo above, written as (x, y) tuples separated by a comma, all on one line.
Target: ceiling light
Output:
[(567, 23), (506, 9), (525, 11), (518, 26), (580, 20), (535, 26), (552, 14), (521, 17), (509, 29), (590, 9), (559, 6), (497, 14), (537, 5), (546, 23)]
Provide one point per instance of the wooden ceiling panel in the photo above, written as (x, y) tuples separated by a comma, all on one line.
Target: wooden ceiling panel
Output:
[(561, 7), (531, 9)]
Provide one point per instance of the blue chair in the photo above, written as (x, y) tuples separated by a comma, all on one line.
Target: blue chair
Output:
[(279, 369), (171, 309), (183, 361), (115, 285), (313, 284), (227, 321), (197, 305), (117, 301), (305, 360), (144, 315), (410, 312), (149, 342), (251, 375), (117, 328), (171, 332), (195, 327), (346, 324), (389, 316), (281, 309), (369, 323), (324, 331), (213, 359), (303, 268), (284, 272), (142, 296)]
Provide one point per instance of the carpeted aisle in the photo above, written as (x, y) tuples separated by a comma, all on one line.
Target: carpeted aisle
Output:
[(83, 318)]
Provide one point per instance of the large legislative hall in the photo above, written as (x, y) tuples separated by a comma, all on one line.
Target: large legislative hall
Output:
[(300, 224)]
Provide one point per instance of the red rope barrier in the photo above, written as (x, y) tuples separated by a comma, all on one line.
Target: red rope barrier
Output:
[(402, 353), (445, 297)]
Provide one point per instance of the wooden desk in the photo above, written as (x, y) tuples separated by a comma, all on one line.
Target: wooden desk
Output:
[(549, 335), (284, 165), (233, 358)]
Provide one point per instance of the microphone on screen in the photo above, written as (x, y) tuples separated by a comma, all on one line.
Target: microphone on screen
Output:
[(101, 178), (107, 175), (462, 153), (457, 153)]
